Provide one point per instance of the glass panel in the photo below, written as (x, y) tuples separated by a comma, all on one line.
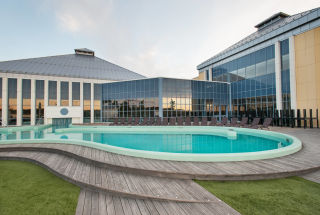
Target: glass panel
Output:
[(26, 101), (39, 101), (52, 93), (75, 93), (12, 101), (1, 99), (86, 102), (64, 93)]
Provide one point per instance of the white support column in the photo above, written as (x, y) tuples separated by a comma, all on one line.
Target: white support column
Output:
[(4, 101), (70, 93), (46, 97), (19, 101), (293, 83), (81, 101), (33, 102), (210, 74), (91, 104), (278, 75), (58, 93)]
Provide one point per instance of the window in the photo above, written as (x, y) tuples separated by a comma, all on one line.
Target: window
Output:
[(64, 93), (52, 93), (39, 101), (75, 94), (26, 101), (86, 102), (97, 102), (1, 99), (12, 101)]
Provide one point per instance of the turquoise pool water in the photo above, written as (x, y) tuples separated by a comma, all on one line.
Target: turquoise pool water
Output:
[(197, 142), (178, 143)]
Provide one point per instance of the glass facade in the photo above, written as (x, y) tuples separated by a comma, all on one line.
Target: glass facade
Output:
[(86, 102), (75, 93), (285, 75), (12, 101), (252, 79), (64, 93), (163, 97), (26, 101), (52, 87), (137, 98)]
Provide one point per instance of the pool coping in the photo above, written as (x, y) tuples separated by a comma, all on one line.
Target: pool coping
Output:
[(223, 131)]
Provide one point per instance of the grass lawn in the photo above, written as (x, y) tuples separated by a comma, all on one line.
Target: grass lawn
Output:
[(292, 195), (26, 188)]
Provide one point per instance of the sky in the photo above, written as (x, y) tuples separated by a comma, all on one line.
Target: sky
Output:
[(166, 38)]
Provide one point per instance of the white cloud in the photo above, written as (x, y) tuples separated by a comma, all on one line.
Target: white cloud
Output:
[(163, 38)]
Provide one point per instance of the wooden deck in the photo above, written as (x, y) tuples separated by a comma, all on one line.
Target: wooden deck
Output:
[(305, 161), (117, 184), (106, 204)]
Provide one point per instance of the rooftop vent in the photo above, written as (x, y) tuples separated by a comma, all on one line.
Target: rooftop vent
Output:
[(84, 51), (274, 18)]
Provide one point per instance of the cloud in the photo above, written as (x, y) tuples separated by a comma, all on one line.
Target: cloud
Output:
[(161, 38)]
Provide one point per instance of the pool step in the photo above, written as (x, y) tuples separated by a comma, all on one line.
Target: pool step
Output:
[(118, 183)]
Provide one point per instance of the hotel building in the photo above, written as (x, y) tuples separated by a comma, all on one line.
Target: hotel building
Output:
[(275, 68)]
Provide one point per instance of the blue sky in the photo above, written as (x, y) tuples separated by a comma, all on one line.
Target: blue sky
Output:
[(153, 38)]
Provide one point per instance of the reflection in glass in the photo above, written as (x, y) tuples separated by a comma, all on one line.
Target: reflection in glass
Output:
[(64, 93), (39, 101), (52, 93), (0, 100), (12, 101), (26, 101), (75, 93), (86, 102)]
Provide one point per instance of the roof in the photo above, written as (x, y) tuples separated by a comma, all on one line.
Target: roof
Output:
[(275, 28), (72, 65), (271, 19)]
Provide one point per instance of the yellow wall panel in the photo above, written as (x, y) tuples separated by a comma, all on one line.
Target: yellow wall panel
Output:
[(307, 66), (200, 77)]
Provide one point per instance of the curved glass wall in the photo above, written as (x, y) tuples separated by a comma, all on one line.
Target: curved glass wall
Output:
[(164, 97), (26, 101)]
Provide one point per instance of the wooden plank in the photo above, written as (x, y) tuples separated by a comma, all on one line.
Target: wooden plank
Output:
[(102, 204), (95, 204), (110, 205), (80, 205), (87, 203)]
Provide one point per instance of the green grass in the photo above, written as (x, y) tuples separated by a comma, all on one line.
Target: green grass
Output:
[(26, 188), (292, 195)]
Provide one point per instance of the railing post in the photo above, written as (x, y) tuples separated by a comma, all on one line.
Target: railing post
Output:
[(293, 121), (299, 118), (281, 118), (311, 119), (304, 118), (317, 118)]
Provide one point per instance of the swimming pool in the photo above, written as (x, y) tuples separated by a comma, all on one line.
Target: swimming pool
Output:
[(183, 143)]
